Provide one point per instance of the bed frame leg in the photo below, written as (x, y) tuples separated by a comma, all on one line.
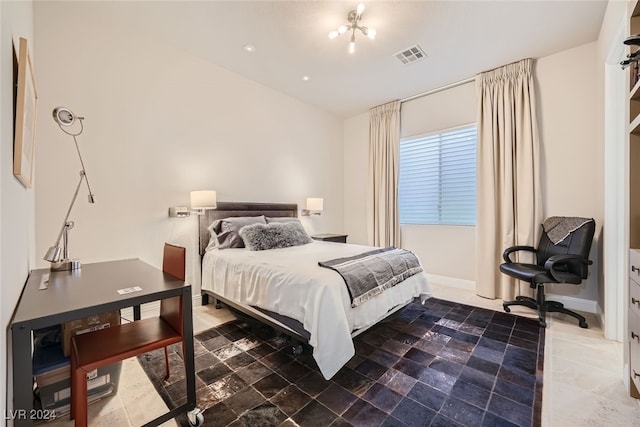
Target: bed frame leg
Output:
[(205, 298), (297, 349), (295, 346)]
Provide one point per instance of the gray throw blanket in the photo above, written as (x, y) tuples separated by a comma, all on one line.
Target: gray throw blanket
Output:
[(559, 227), (370, 273)]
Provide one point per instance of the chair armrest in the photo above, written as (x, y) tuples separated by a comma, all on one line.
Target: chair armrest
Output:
[(554, 260), (509, 251)]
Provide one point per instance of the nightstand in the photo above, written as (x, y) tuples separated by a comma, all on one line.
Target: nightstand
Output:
[(328, 237)]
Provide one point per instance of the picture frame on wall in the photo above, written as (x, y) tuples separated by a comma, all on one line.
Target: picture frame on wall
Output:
[(25, 117)]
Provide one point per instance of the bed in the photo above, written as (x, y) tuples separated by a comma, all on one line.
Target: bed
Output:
[(286, 289)]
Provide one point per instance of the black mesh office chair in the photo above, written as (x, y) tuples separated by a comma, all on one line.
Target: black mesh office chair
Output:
[(565, 261)]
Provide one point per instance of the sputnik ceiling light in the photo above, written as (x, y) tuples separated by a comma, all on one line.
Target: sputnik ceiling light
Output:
[(354, 18)]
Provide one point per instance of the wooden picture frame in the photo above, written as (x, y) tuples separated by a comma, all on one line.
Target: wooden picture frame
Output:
[(26, 103)]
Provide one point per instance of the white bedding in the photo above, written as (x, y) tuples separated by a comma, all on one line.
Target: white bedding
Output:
[(289, 281)]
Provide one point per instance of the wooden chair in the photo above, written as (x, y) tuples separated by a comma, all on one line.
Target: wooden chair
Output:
[(100, 348)]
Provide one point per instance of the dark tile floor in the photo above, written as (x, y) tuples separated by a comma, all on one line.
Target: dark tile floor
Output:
[(441, 364)]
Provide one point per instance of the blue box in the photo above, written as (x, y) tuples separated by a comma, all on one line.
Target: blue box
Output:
[(52, 374)]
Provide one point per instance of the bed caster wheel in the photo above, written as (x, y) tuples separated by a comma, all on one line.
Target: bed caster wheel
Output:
[(195, 417), (297, 350), (583, 325), (506, 308)]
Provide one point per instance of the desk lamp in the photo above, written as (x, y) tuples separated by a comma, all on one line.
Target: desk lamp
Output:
[(65, 118)]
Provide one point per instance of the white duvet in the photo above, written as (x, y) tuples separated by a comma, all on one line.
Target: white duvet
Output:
[(289, 281)]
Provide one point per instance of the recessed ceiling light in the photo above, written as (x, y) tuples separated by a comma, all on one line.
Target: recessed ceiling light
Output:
[(306, 78), (249, 48)]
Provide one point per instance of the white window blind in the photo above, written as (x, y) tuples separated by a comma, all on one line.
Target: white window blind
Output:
[(438, 178)]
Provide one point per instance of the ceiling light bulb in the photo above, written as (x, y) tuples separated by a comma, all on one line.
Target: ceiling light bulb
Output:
[(249, 48), (353, 17), (306, 78)]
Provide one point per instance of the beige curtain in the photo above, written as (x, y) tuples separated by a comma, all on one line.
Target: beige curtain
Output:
[(382, 194), (509, 210)]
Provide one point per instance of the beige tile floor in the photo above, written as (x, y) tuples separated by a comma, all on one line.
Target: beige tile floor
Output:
[(582, 374)]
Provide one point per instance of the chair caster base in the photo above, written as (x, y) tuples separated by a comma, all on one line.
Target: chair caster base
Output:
[(195, 418), (543, 309)]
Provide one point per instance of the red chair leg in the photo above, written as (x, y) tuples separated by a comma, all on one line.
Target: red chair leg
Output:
[(79, 409), (74, 386), (74, 390)]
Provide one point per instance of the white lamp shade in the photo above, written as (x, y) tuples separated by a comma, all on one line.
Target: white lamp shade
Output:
[(315, 203), (203, 199)]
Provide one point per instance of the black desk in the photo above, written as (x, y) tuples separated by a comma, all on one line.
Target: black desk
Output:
[(91, 290)]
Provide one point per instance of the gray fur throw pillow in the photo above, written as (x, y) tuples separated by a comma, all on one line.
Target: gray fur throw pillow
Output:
[(227, 230), (258, 237)]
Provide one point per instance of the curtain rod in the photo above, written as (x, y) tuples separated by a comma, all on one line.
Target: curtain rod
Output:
[(432, 91)]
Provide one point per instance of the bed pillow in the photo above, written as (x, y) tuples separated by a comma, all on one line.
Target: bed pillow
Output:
[(258, 237), (271, 219), (213, 238), (227, 230)]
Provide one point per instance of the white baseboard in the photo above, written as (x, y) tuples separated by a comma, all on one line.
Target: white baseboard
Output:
[(600, 315), (572, 303), (587, 306), (469, 285), (197, 299)]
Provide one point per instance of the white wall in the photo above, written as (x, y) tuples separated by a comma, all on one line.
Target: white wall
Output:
[(159, 123), (613, 107), (16, 202), (572, 147), (432, 244), (571, 156), (435, 244), (356, 158)]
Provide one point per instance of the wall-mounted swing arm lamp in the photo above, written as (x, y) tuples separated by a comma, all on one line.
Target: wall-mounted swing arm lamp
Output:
[(201, 200), (64, 117), (315, 206)]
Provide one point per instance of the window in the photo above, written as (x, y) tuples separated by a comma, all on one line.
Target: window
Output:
[(438, 178)]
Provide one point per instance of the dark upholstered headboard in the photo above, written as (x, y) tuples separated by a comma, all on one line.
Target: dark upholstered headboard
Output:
[(227, 209)]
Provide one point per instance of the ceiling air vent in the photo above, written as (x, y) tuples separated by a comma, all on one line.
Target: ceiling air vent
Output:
[(411, 54)]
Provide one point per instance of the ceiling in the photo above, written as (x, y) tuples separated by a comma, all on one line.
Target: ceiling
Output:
[(460, 38)]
